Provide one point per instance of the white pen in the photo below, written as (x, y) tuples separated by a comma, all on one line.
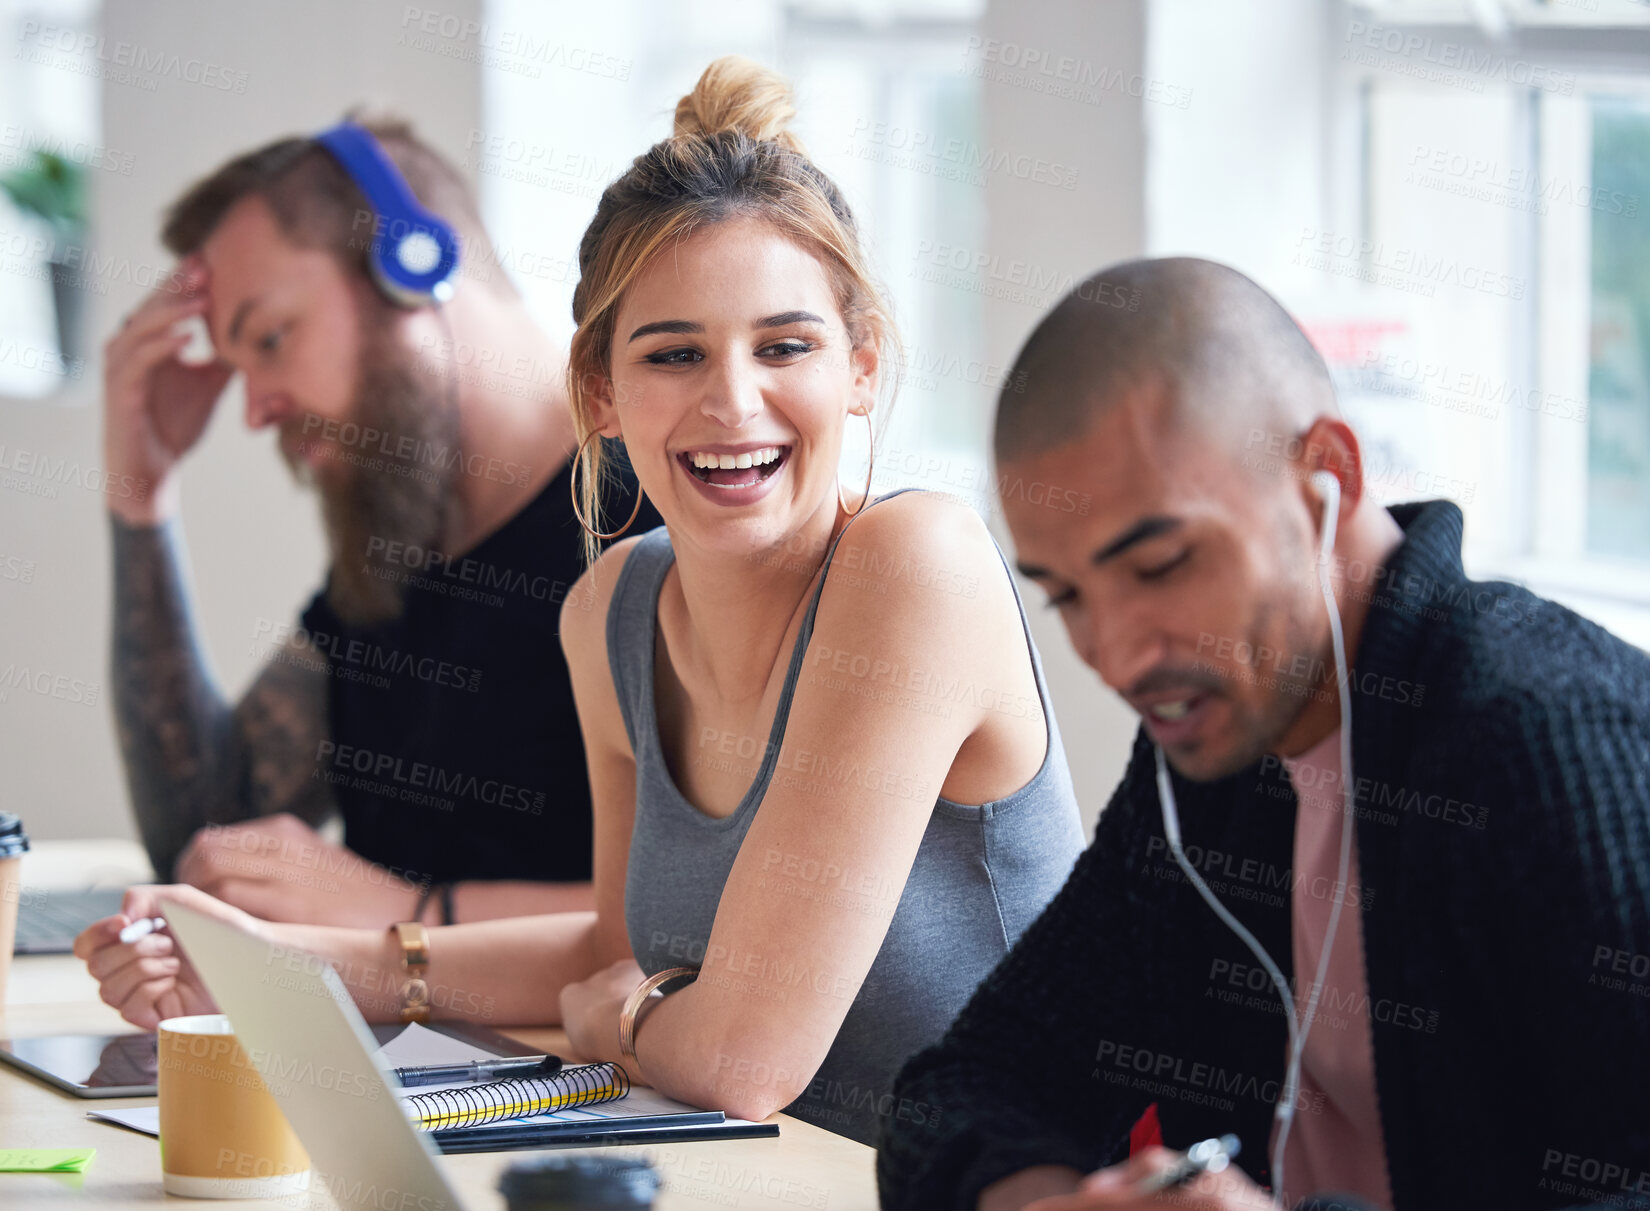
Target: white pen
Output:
[(1209, 1156), (141, 928)]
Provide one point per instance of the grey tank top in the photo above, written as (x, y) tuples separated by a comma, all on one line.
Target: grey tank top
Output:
[(982, 873)]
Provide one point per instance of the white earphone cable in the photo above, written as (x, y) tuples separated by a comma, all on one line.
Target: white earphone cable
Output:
[(1299, 1025)]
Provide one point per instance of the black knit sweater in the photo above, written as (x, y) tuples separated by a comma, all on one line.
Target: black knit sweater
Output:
[(1501, 751)]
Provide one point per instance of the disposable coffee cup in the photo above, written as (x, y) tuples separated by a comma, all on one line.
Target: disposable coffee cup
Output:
[(221, 1133), (14, 843)]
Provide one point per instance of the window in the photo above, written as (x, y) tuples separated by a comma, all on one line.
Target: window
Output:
[(890, 112), (1504, 249), (47, 103), (1618, 378), (880, 97)]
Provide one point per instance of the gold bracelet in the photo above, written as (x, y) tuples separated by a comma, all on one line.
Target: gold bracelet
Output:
[(415, 957), (633, 1005)]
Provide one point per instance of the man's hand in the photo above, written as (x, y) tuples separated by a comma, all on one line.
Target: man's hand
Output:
[(154, 406), (279, 868), (151, 979), (1117, 1189)]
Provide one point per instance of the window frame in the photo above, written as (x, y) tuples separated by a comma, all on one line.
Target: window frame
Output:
[(1602, 51)]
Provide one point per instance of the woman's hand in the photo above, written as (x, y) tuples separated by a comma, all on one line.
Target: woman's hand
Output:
[(151, 979), (590, 1010)]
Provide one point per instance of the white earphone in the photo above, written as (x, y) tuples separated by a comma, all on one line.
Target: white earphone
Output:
[(1329, 488)]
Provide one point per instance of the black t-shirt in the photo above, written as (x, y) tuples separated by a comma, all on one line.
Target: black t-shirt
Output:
[(454, 749)]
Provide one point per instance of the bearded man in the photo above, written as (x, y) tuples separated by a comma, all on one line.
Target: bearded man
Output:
[(423, 696)]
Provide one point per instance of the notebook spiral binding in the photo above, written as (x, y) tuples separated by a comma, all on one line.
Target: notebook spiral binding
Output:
[(472, 1105)]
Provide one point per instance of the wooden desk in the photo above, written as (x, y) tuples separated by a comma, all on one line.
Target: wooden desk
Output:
[(805, 1167)]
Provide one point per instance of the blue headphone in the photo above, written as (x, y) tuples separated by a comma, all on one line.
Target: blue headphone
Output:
[(414, 253)]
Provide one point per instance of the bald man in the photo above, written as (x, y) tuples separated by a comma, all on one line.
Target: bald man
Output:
[(1477, 1031)]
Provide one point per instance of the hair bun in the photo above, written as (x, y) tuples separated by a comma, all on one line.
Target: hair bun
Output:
[(736, 94)]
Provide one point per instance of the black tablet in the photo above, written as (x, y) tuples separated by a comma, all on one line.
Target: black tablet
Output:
[(88, 1065), (123, 1065)]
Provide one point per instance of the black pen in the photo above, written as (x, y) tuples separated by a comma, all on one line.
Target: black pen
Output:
[(1206, 1156), (477, 1072)]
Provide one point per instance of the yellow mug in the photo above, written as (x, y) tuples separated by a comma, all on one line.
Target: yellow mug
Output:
[(14, 843), (11, 895), (221, 1133)]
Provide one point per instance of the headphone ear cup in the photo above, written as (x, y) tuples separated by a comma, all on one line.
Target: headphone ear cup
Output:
[(414, 252)]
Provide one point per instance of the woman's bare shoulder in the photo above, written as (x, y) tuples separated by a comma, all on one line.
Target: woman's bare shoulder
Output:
[(919, 560), (584, 609), (923, 538)]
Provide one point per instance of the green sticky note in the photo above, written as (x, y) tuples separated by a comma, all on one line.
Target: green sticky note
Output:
[(45, 1160)]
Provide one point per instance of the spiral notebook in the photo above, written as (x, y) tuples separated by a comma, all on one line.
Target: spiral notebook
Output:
[(585, 1104)]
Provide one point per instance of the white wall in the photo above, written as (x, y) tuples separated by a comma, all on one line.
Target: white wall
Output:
[(1214, 136), (1074, 231), (1238, 172), (253, 538)]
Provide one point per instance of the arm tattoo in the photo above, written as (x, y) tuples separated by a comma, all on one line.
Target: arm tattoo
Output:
[(191, 759)]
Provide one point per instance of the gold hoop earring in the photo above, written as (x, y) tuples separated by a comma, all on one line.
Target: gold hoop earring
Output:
[(870, 466), (573, 487)]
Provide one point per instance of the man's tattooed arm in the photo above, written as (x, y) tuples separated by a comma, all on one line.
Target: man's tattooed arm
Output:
[(191, 758)]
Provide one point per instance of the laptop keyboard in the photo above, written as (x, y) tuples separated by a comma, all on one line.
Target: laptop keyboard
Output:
[(47, 921)]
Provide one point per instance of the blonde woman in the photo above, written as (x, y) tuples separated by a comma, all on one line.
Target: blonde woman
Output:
[(829, 792)]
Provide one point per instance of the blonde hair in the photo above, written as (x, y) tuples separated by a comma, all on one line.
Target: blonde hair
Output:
[(731, 154)]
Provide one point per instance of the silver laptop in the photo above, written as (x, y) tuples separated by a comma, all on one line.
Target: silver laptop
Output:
[(49, 921), (303, 1033)]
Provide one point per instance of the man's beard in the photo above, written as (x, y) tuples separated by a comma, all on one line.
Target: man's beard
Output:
[(376, 497), (1262, 723), (1281, 624)]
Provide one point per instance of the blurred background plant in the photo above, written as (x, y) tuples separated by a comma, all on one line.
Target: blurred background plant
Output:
[(53, 190)]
